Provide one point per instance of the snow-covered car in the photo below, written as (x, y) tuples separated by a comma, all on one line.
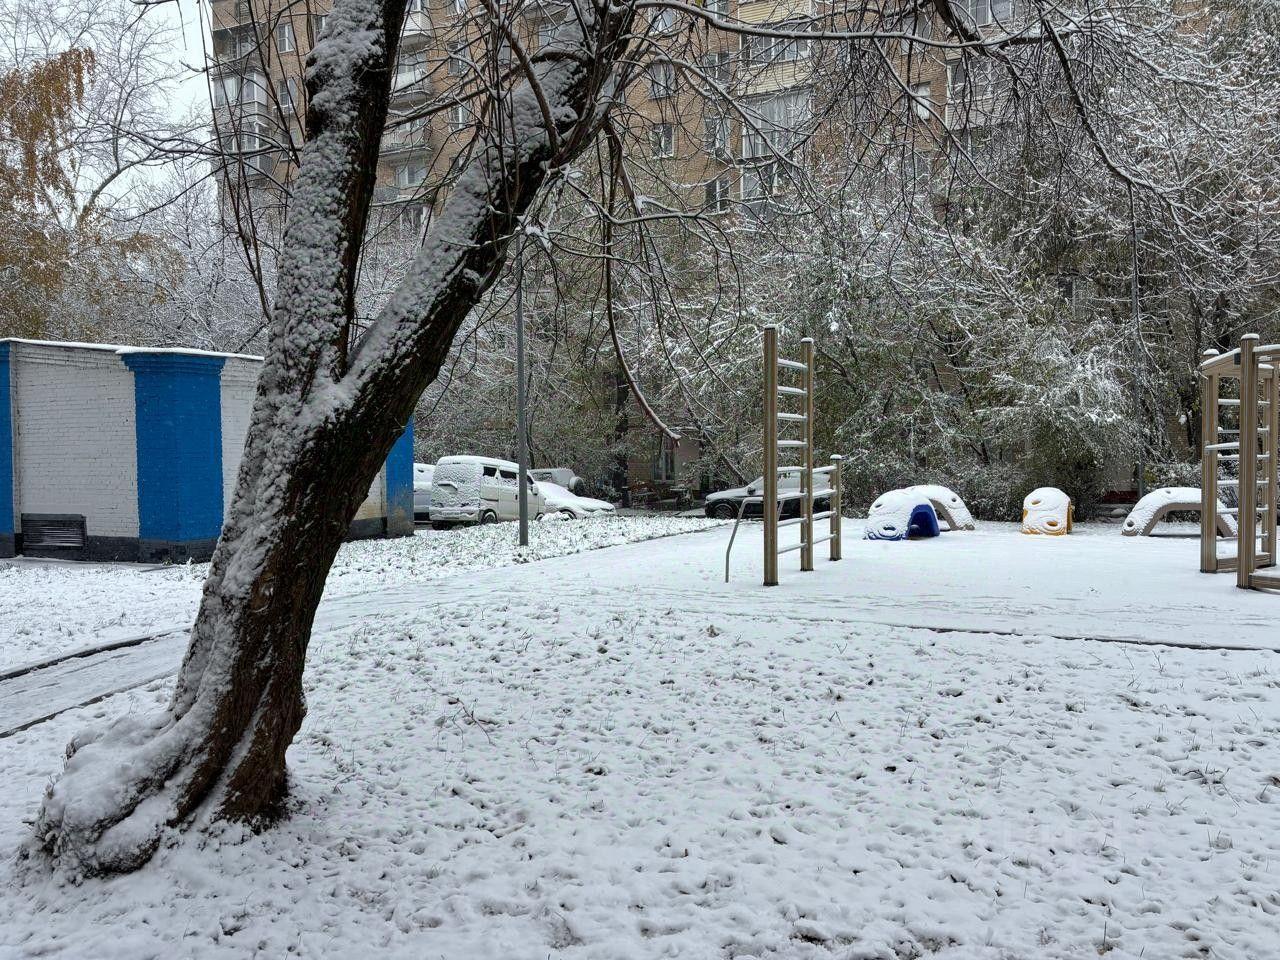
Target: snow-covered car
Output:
[(724, 504), (562, 476), (559, 500), (479, 490), (422, 473)]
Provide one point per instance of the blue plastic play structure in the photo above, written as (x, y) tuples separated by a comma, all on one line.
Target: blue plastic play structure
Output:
[(923, 523), (900, 519)]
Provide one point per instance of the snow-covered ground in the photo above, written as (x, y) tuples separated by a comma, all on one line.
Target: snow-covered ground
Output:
[(657, 763), (48, 609)]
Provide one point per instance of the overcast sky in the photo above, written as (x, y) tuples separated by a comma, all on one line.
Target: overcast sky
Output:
[(187, 54)]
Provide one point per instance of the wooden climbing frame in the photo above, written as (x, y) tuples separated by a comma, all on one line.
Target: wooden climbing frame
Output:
[(1249, 442)]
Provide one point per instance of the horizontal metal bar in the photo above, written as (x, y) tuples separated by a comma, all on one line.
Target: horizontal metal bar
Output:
[(1233, 445), (824, 539), (823, 493), (794, 546), (791, 522), (818, 470), (792, 364), (792, 391), (824, 515), (798, 417), (805, 443)]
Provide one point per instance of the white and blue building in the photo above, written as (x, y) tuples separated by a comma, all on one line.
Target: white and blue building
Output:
[(129, 453)]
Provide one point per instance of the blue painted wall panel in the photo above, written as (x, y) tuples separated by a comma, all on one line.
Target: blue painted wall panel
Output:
[(6, 443), (400, 485), (178, 401)]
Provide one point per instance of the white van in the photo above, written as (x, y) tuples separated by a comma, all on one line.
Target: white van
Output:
[(479, 490)]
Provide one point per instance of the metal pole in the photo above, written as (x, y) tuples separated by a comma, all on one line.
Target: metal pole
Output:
[(1272, 480), (806, 502), (1209, 425), (1138, 365), (1247, 519), (770, 504), (835, 506), (522, 439)]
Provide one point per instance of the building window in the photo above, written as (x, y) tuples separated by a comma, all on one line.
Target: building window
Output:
[(459, 117), (546, 31), (759, 187), (718, 130), (664, 465), (664, 20), (717, 7), (410, 175), (717, 67), (284, 37), (761, 51), (460, 7), (971, 78), (226, 90), (662, 80), (250, 145), (410, 68), (662, 140), (773, 124), (920, 27), (983, 12), (922, 100), (318, 23), (717, 195), (289, 95), (459, 61)]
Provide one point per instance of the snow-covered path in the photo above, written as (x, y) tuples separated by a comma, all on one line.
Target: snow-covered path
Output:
[(617, 755)]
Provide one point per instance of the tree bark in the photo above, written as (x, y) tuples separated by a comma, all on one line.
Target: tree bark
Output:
[(323, 423)]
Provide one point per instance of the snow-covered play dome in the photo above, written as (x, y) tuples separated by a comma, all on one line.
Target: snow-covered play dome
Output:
[(1047, 511), (946, 504), (1153, 508), (901, 515)]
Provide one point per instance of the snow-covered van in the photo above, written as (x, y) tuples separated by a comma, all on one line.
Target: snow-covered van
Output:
[(478, 490)]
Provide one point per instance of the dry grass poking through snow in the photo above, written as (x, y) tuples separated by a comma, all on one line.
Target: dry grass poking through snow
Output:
[(597, 776)]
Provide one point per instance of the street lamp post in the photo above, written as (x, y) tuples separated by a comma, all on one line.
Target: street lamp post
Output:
[(522, 445), (1138, 365)]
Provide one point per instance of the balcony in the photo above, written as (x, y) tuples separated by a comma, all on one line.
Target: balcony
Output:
[(418, 29)]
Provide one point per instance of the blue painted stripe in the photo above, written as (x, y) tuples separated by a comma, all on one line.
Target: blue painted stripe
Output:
[(400, 484), (178, 409), (6, 443)]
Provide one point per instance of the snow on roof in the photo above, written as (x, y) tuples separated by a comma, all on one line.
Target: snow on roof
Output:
[(121, 350), (485, 461)]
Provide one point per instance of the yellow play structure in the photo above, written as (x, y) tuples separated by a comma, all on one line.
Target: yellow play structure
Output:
[(1047, 512)]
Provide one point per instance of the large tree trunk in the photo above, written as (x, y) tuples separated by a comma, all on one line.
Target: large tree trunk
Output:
[(323, 423)]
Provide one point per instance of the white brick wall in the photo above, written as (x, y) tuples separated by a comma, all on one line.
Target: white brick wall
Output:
[(75, 445), (239, 380)]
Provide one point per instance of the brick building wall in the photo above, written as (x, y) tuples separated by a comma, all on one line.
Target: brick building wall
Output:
[(75, 439)]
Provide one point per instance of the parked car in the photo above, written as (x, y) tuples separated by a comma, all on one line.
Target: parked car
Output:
[(422, 473), (559, 500), (479, 490), (724, 505), (562, 476)]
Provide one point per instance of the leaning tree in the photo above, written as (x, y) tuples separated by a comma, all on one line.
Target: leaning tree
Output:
[(330, 404)]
